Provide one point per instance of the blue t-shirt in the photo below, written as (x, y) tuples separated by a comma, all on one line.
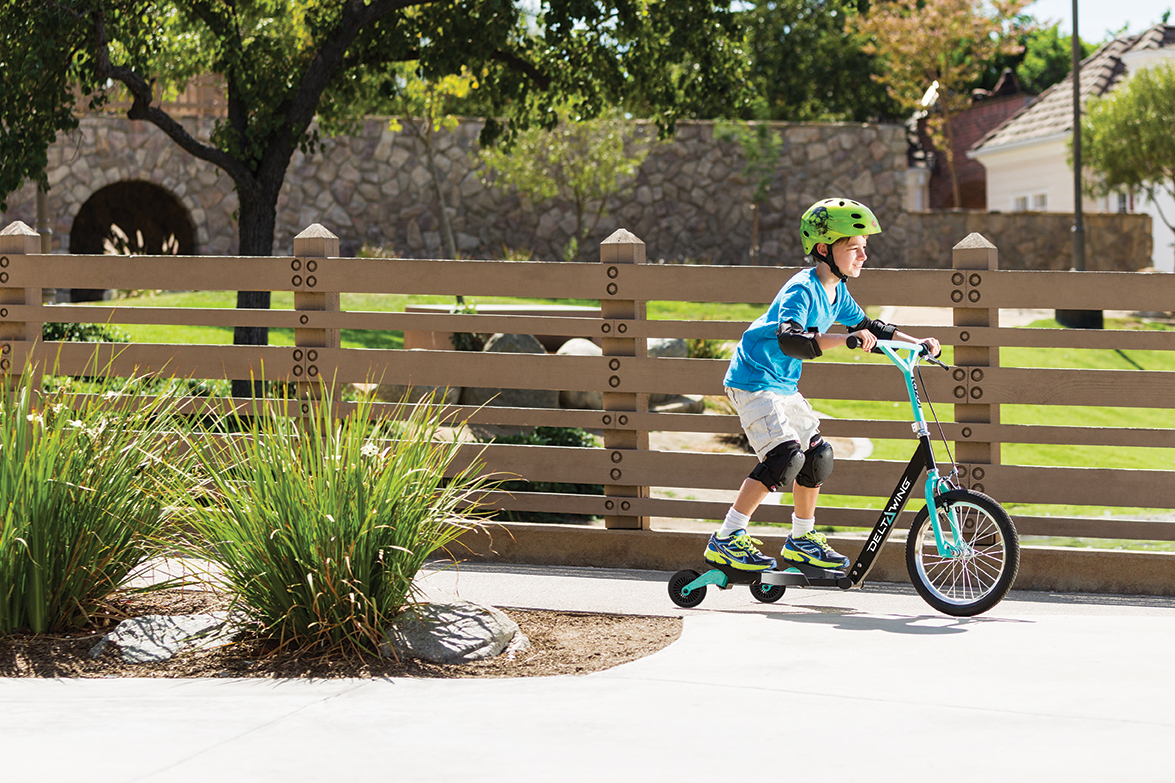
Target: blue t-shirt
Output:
[(758, 363)]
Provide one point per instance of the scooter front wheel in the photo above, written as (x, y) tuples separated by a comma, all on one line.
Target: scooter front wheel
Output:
[(977, 576), (677, 583)]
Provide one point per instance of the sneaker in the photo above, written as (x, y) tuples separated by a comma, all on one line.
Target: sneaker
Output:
[(813, 549), (738, 552)]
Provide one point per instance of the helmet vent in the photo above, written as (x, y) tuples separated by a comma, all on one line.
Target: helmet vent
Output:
[(858, 225)]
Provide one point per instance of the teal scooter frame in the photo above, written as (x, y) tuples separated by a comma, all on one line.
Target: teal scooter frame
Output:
[(962, 553)]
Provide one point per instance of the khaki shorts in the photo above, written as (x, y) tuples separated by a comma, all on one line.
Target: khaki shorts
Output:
[(770, 418)]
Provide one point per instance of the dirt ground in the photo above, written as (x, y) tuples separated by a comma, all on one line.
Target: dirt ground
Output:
[(561, 643)]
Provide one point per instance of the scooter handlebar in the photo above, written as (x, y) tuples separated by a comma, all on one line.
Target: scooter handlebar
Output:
[(853, 342)]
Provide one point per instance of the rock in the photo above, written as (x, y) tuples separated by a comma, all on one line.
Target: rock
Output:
[(514, 343), (153, 638), (583, 400), (668, 348), (456, 632), (512, 398), (678, 403), (394, 392)]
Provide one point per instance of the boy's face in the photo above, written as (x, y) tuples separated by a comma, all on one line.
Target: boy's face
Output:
[(850, 256)]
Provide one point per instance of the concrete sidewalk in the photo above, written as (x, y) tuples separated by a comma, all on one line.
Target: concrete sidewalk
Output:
[(871, 684)]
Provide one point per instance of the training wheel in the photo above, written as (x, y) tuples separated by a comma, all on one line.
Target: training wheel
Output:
[(678, 582), (768, 594)]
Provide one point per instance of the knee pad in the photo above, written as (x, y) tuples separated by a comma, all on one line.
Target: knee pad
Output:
[(780, 467), (817, 464)]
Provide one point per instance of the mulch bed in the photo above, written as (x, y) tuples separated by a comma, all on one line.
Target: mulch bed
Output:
[(560, 643)]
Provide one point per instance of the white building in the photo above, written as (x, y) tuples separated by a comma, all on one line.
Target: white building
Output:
[(1027, 156)]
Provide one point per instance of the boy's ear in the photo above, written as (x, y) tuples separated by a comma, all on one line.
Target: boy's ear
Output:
[(822, 249)]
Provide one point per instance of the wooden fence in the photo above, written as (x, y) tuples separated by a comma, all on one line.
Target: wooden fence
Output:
[(622, 283)]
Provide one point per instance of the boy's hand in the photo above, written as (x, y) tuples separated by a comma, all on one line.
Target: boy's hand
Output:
[(932, 344), (865, 338)]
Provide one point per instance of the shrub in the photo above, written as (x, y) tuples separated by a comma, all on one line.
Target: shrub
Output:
[(83, 333), (547, 436), (709, 349), (83, 483), (467, 341), (321, 525)]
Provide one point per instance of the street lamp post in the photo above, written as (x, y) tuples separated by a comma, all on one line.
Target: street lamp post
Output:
[(1078, 319)]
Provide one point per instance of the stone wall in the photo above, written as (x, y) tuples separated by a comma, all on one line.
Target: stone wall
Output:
[(1032, 240), (689, 202)]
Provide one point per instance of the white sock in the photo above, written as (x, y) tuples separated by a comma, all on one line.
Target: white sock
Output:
[(801, 526), (734, 522)]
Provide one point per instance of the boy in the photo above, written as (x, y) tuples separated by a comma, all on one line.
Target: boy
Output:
[(762, 384)]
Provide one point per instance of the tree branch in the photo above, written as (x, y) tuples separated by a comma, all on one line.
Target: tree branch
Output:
[(513, 61), (141, 108)]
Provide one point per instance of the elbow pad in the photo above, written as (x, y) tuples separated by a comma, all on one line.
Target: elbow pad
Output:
[(879, 329), (797, 342)]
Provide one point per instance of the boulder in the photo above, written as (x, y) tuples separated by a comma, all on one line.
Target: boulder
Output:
[(456, 632), (583, 400), (512, 398), (153, 638), (396, 392), (668, 348)]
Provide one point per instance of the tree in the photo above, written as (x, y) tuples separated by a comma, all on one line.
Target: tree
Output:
[(583, 162), (805, 68), (1045, 59), (935, 49), (1127, 141), (288, 63), (425, 113), (760, 146)]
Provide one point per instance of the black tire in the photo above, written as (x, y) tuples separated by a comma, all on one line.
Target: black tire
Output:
[(968, 585), (679, 581), (768, 594)]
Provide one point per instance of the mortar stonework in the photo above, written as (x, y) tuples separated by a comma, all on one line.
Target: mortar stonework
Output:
[(689, 202)]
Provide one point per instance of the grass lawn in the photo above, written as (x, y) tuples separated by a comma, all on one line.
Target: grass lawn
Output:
[(897, 450)]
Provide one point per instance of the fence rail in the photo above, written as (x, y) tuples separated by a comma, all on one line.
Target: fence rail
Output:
[(975, 290)]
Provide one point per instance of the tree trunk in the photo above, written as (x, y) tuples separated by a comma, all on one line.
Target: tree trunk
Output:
[(755, 233), (949, 152), (258, 219), (450, 247)]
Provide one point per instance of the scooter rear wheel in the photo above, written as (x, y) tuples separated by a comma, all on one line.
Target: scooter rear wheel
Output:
[(768, 594), (677, 583)]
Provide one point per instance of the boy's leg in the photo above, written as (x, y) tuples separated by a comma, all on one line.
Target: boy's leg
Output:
[(765, 421), (805, 545), (805, 499), (750, 496)]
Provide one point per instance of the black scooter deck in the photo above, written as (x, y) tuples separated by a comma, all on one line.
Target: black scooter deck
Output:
[(800, 575)]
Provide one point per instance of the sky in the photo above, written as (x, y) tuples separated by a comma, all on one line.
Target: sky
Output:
[(1096, 17)]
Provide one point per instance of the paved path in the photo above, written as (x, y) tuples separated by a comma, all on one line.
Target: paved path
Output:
[(867, 685)]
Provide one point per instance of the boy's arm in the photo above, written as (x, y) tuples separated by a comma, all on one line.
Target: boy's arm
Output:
[(868, 332), (935, 348)]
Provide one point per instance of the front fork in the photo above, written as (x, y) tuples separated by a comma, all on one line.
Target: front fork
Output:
[(936, 485)]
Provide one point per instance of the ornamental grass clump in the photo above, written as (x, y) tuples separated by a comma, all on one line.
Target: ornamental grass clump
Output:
[(84, 481), (320, 524)]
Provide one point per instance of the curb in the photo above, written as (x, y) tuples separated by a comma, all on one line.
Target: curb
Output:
[(1055, 569)]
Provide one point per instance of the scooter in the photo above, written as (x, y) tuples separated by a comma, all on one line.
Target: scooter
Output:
[(962, 552)]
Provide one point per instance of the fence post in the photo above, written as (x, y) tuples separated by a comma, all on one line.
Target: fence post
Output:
[(16, 240), (970, 259), (620, 249), (310, 248)]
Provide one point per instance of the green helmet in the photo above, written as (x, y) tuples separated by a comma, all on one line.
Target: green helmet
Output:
[(835, 218)]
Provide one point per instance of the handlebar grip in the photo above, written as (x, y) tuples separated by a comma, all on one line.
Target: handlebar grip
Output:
[(853, 343)]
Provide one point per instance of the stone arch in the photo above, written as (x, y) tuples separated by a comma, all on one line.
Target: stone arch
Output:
[(149, 216)]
